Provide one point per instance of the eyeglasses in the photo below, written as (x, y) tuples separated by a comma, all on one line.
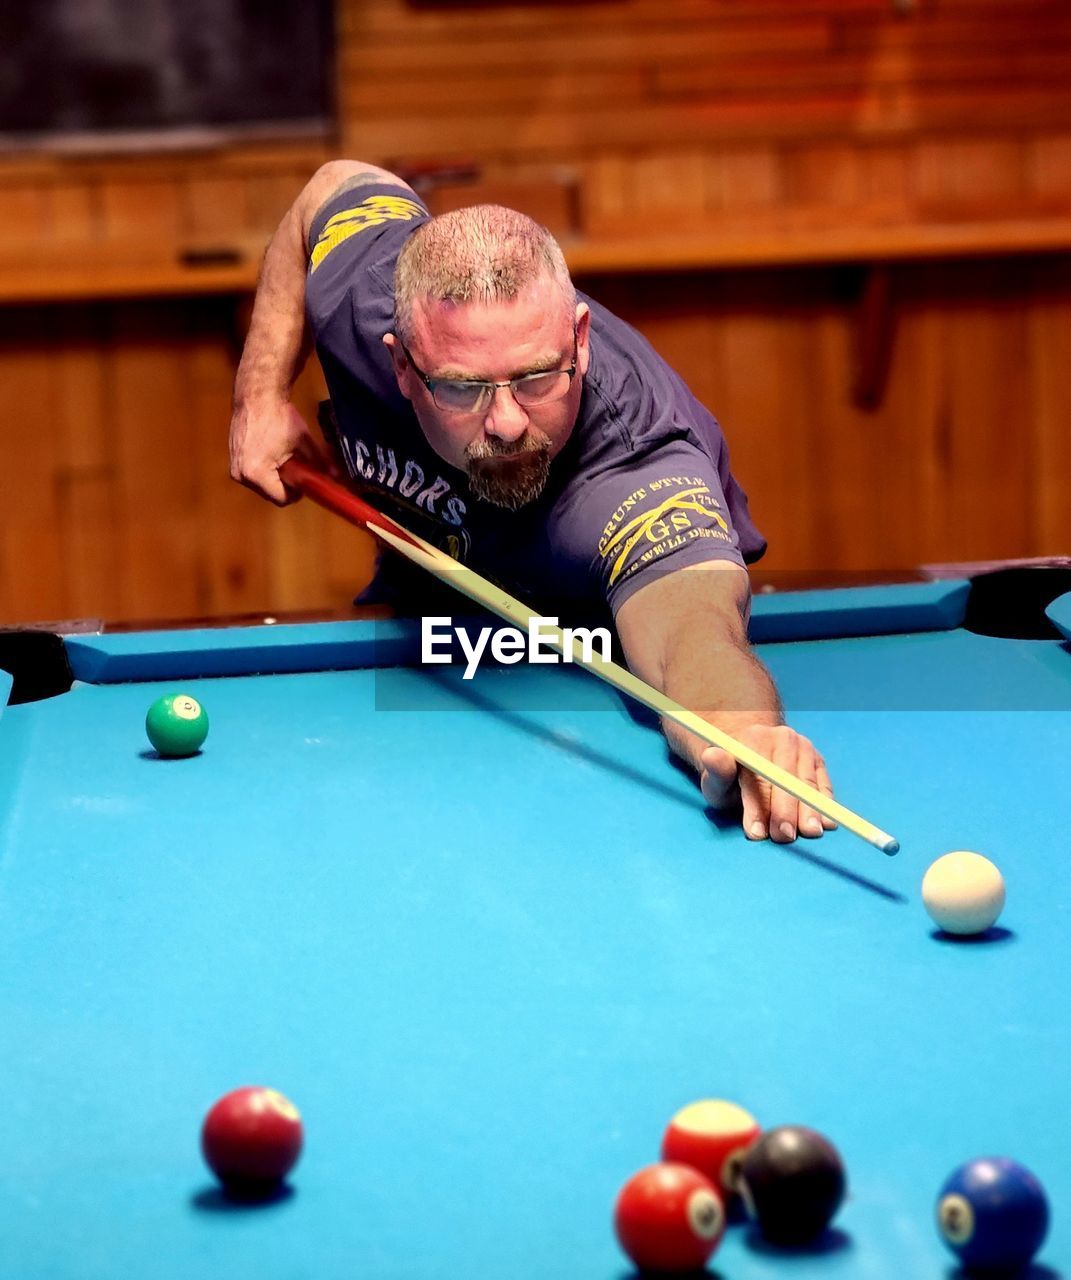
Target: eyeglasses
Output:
[(470, 395)]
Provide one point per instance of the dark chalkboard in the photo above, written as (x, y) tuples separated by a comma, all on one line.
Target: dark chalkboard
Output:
[(99, 68)]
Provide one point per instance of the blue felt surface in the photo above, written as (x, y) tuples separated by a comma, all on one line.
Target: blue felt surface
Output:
[(113, 657), (853, 611), (489, 943), (225, 651)]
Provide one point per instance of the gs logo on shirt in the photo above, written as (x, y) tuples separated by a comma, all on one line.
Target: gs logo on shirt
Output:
[(637, 533), (373, 211)]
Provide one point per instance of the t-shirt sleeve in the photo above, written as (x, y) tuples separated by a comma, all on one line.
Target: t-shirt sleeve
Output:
[(662, 512), (354, 242)]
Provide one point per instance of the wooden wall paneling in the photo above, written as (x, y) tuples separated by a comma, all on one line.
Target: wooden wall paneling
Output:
[(1048, 168), (833, 449), (87, 477), (33, 568), (143, 209), (232, 545), (375, 93), (77, 351), (709, 71), (9, 604), (523, 36), (983, 435), (874, 324), (1050, 394), (605, 191), (743, 180), (870, 10), (668, 190), (347, 555), (864, 458), (884, 81), (33, 571), (691, 190), (269, 196), (823, 174), (1000, 433), (923, 389), (761, 402), (74, 212), (23, 212), (214, 207), (90, 544), (296, 536), (28, 415), (563, 134), (972, 27), (158, 478), (969, 171), (350, 559), (884, 178)]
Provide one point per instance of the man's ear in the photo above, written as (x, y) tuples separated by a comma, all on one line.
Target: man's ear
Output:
[(583, 332), (399, 363)]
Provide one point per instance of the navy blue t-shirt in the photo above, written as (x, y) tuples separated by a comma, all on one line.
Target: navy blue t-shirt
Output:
[(642, 486)]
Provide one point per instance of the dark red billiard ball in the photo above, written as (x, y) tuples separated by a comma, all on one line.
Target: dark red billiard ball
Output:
[(251, 1139), (669, 1218), (792, 1181)]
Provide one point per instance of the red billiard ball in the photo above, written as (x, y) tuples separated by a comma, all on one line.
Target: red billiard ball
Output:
[(251, 1139), (669, 1218), (711, 1136)]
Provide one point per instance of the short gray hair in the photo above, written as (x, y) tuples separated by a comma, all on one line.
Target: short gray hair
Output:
[(485, 253)]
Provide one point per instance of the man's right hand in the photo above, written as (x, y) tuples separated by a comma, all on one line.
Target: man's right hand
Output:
[(262, 439)]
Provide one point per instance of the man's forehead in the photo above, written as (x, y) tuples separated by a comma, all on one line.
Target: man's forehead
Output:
[(536, 316), (543, 292)]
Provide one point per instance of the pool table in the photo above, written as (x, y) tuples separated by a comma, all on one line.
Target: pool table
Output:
[(486, 937)]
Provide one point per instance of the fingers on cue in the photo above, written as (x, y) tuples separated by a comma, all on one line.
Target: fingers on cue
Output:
[(268, 483), (718, 781), (716, 761), (755, 794), (826, 787), (785, 810), (811, 822)]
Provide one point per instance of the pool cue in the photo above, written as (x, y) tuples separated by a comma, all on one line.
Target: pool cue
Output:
[(342, 501)]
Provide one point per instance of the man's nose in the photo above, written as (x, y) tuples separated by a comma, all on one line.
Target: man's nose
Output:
[(505, 419)]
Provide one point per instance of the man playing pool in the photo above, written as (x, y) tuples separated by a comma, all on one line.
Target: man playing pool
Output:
[(476, 396)]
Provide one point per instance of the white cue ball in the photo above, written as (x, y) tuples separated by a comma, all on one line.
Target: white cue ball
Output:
[(963, 892)]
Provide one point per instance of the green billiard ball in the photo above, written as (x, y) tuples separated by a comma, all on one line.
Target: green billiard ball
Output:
[(177, 725)]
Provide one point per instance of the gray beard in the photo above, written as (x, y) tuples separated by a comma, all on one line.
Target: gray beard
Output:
[(513, 487)]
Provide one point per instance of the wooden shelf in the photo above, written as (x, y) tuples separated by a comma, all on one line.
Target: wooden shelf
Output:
[(90, 273), (84, 273), (721, 249)]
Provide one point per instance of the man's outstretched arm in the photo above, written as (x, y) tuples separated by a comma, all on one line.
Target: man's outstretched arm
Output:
[(686, 634)]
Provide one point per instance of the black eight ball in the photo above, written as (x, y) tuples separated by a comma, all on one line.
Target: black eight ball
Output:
[(792, 1181)]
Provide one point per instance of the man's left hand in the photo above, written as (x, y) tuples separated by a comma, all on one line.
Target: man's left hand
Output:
[(768, 811)]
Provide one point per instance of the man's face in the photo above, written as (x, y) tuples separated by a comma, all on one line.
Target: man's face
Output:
[(505, 449)]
